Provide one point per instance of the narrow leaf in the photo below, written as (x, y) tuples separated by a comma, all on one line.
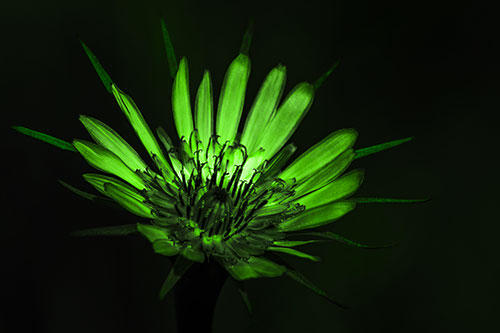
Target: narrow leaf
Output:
[(45, 138), (95, 198), (294, 252), (298, 277), (105, 78), (377, 148), (341, 239), (289, 243), (242, 290), (169, 48), (323, 77), (83, 194), (247, 38), (121, 230), (388, 200), (181, 266)]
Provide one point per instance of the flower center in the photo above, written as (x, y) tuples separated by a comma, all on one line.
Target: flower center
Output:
[(219, 194), (220, 198)]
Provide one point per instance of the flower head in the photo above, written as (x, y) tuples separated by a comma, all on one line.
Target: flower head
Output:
[(219, 194)]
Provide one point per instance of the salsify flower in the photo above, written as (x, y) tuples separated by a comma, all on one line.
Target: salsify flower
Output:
[(219, 194)]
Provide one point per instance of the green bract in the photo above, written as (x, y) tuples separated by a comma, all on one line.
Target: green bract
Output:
[(217, 194)]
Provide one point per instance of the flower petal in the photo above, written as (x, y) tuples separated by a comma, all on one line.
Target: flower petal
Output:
[(181, 102), (203, 110), (104, 160), (317, 217), (264, 106), (255, 267), (336, 190), (132, 202), (287, 118), (97, 180), (112, 141), (232, 98), (141, 129), (327, 174), (278, 161), (316, 157)]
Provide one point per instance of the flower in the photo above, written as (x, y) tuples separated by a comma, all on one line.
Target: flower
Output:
[(221, 195)]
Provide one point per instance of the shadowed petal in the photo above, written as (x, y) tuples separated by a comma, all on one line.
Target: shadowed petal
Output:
[(133, 202), (255, 267), (152, 233)]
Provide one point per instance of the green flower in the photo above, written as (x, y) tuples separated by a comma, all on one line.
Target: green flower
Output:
[(219, 194)]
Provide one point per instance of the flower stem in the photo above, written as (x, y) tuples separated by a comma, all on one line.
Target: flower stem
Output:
[(196, 295)]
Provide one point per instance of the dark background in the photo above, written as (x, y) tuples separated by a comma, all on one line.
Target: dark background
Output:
[(424, 69)]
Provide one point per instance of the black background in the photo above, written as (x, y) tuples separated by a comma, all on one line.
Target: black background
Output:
[(423, 69)]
